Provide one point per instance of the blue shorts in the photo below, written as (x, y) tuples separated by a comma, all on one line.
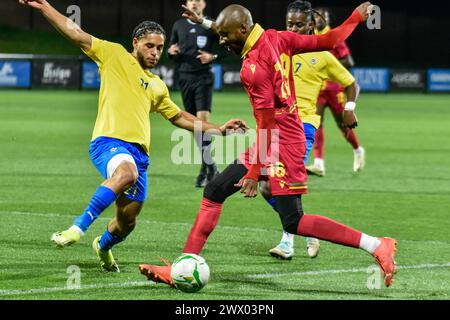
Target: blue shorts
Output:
[(103, 149), (310, 133)]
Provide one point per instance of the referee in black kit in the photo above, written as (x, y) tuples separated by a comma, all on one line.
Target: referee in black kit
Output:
[(191, 48)]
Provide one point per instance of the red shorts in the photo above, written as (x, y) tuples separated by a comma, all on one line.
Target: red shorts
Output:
[(335, 99), (286, 170)]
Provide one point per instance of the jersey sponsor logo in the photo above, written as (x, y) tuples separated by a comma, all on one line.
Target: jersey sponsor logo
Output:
[(201, 41)]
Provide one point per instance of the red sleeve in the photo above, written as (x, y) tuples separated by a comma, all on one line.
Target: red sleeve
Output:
[(338, 35), (341, 51), (265, 121), (308, 43)]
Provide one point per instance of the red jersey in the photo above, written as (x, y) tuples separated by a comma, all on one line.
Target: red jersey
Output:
[(340, 51), (267, 77)]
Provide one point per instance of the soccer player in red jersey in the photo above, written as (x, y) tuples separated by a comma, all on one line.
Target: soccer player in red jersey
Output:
[(333, 96), (267, 77)]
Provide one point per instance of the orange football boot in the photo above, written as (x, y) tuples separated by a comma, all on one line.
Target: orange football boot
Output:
[(384, 255), (158, 273)]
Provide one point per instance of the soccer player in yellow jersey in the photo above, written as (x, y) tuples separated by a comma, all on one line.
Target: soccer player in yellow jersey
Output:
[(333, 97), (311, 70), (121, 138)]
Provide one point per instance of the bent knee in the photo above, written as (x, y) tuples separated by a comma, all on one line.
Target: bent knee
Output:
[(215, 191), (126, 174), (211, 192)]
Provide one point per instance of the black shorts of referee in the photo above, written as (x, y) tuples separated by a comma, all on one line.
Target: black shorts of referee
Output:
[(196, 89)]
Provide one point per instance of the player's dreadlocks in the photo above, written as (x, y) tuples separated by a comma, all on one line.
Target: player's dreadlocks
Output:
[(303, 6), (148, 27)]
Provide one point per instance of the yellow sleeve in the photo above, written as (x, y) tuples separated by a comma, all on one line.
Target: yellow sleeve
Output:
[(166, 107), (337, 72), (102, 50)]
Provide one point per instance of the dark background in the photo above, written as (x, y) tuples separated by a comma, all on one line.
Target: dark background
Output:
[(413, 34)]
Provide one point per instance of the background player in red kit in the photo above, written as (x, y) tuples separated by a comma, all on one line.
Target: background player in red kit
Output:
[(333, 96), (267, 77)]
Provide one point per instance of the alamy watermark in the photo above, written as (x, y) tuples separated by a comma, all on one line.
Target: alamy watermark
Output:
[(374, 20), (224, 150), (74, 279), (74, 15), (375, 279)]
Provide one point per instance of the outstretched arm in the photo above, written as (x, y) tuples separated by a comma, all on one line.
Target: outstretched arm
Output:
[(194, 17), (64, 25), (308, 43), (190, 122)]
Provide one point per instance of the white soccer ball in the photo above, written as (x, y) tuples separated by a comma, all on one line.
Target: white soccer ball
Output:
[(190, 273)]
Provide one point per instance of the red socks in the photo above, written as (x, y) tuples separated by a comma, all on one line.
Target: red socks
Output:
[(206, 221), (326, 229), (350, 136), (310, 226), (319, 143)]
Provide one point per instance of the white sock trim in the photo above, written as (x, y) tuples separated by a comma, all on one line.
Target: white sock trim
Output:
[(77, 229), (359, 150), (288, 237), (368, 243), (319, 163)]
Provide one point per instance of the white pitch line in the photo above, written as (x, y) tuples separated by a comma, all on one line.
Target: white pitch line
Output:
[(83, 287), (337, 271), (254, 276)]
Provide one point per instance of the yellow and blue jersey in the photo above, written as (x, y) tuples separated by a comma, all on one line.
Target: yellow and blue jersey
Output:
[(128, 94), (310, 71)]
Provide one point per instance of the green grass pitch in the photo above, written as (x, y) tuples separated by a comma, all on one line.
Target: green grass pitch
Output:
[(404, 192)]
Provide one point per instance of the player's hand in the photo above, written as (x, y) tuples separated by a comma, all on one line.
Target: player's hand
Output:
[(365, 10), (191, 15), (205, 57), (234, 126), (249, 187), (36, 4), (349, 119), (174, 50)]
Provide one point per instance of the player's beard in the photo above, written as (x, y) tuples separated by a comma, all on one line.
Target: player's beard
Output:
[(145, 63)]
